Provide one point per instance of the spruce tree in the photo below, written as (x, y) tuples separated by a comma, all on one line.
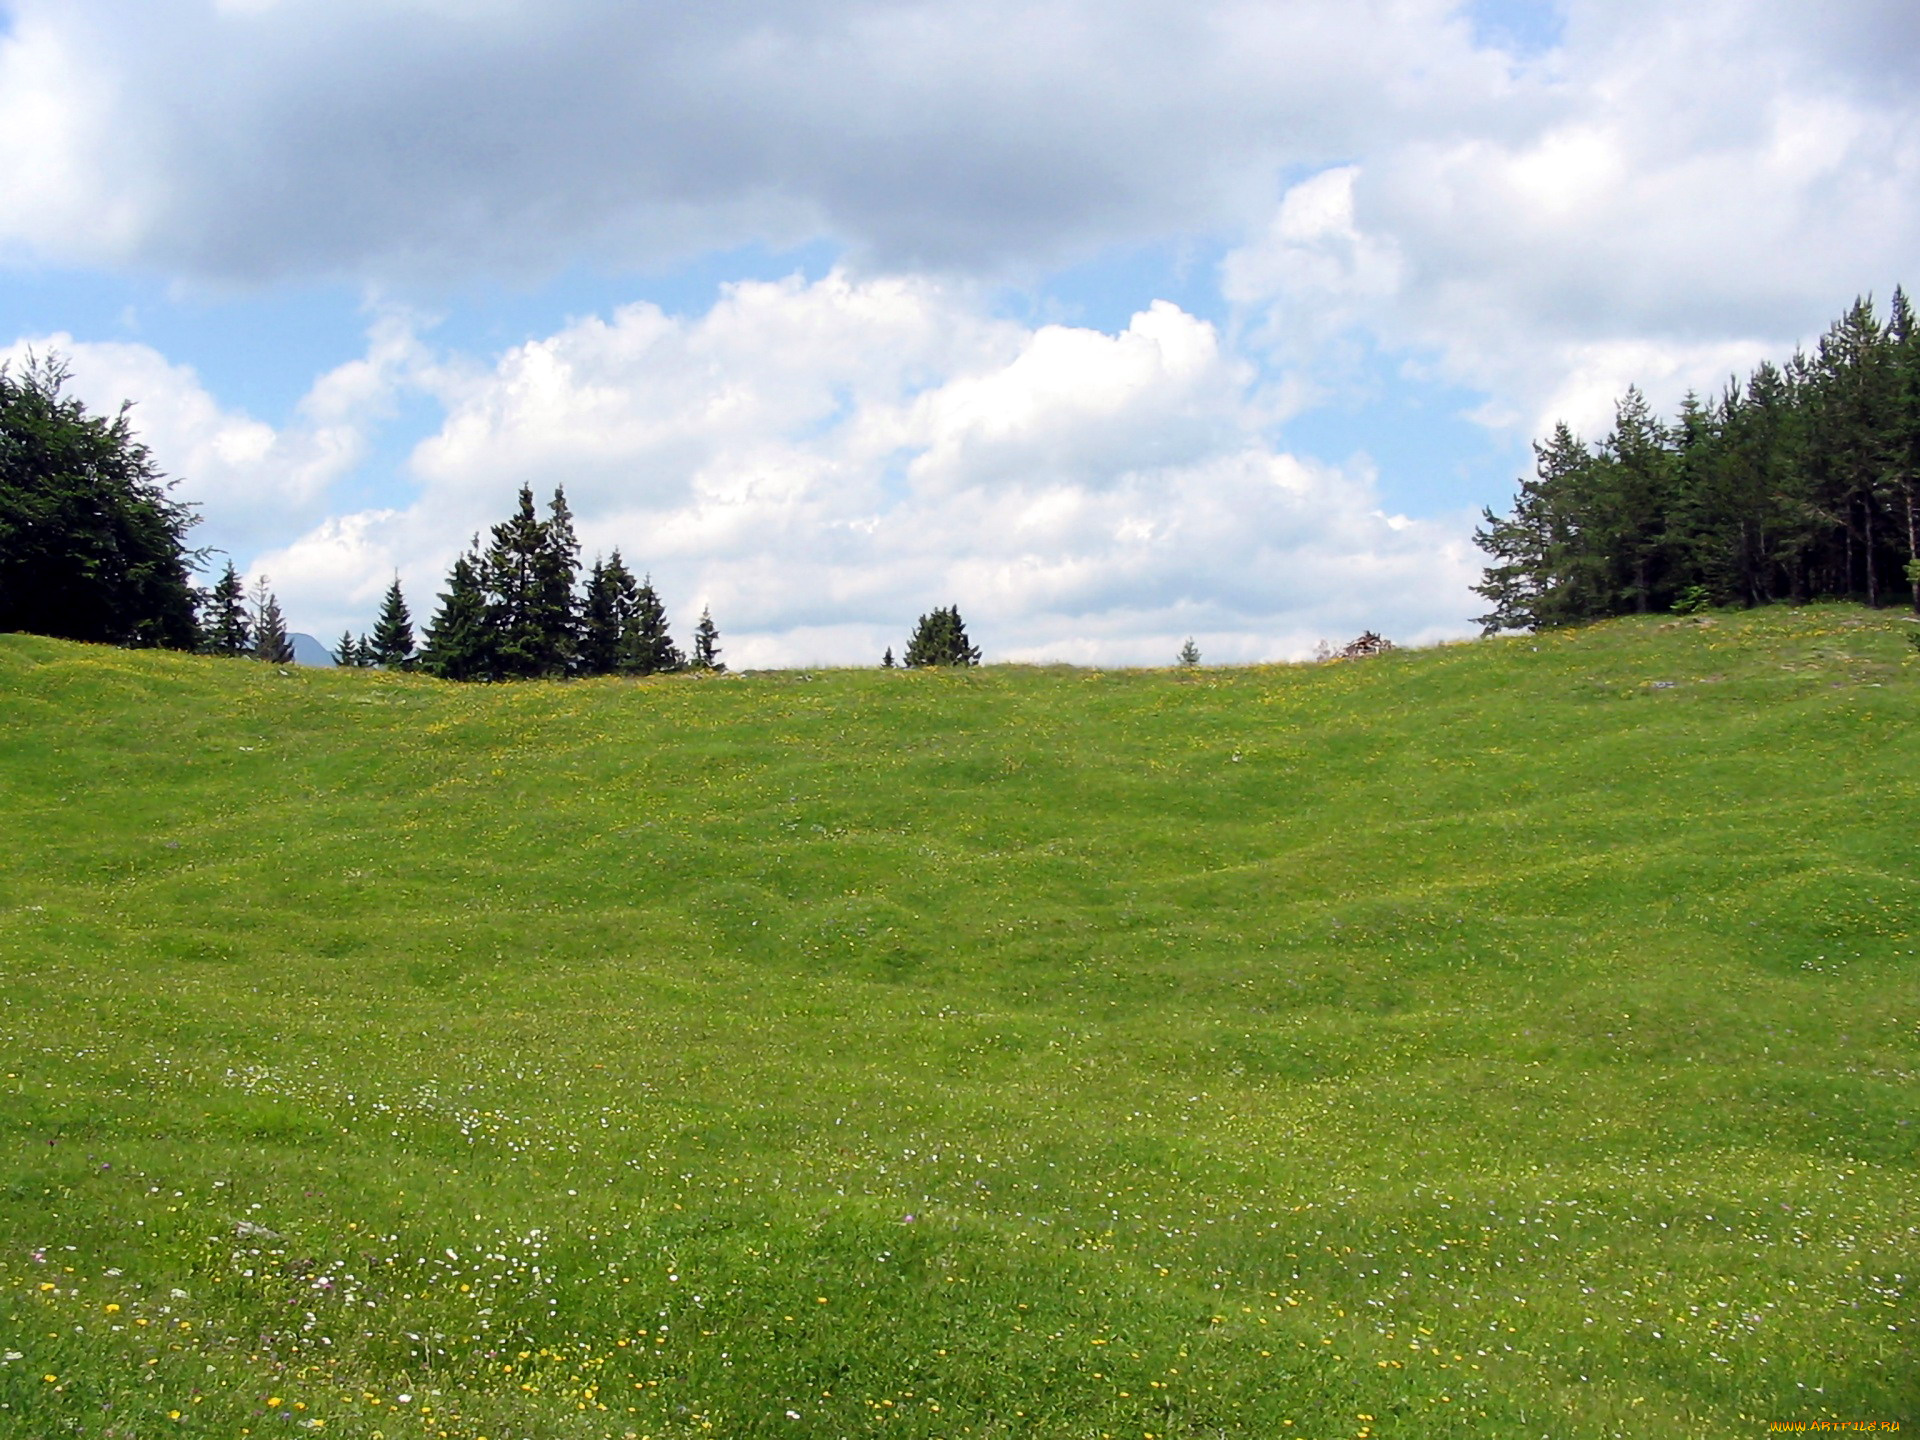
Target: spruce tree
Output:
[(706, 642), (609, 633), (1189, 654), (599, 625), (459, 643), (940, 638), (346, 653), (225, 630), (650, 649), (510, 577), (392, 645), (552, 606), (270, 639), (886, 660)]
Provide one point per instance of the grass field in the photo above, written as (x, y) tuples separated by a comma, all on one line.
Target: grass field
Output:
[(1511, 1039)]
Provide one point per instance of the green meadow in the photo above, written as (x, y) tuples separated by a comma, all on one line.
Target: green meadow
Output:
[(1510, 1039)]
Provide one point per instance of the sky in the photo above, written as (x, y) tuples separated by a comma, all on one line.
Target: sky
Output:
[(1113, 322)]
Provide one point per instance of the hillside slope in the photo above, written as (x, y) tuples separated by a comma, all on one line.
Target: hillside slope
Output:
[(1516, 1038)]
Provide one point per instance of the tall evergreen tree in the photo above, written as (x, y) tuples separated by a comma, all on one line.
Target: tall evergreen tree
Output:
[(940, 638), (92, 547), (346, 651), (610, 640), (706, 642), (511, 577), (270, 639), (650, 649), (225, 629), (459, 644), (392, 644), (556, 569)]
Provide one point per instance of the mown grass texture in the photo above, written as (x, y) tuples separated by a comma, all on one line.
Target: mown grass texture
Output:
[(1509, 1039)]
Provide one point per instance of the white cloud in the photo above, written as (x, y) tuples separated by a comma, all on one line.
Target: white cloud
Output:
[(252, 482), (1675, 194), (823, 462)]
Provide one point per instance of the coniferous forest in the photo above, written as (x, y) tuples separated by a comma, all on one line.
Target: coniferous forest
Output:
[(1797, 484)]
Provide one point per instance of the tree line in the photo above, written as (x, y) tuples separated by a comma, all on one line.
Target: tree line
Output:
[(1796, 484), (517, 610)]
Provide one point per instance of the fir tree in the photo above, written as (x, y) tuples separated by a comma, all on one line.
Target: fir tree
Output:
[(459, 643), (940, 638), (886, 660), (1189, 654), (392, 645), (225, 630), (347, 652), (270, 639), (706, 642)]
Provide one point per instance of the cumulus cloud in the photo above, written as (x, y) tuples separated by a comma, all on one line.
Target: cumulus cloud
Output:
[(821, 462), (1682, 192)]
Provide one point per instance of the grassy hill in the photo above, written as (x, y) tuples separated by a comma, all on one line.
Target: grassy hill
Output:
[(1512, 1039)]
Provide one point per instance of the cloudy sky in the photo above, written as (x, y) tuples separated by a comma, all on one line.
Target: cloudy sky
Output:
[(1112, 321)]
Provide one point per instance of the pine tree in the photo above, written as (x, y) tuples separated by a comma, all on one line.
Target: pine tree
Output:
[(886, 660), (706, 642), (651, 650), (225, 630), (459, 643), (346, 653), (940, 638), (1189, 653), (270, 640), (392, 645)]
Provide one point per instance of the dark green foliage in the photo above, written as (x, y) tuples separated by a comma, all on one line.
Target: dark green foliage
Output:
[(940, 638), (511, 613), (527, 576), (651, 650), (886, 660), (270, 639), (706, 642), (1189, 653), (91, 547), (346, 651), (392, 644), (604, 616), (1798, 485), (459, 644), (224, 627)]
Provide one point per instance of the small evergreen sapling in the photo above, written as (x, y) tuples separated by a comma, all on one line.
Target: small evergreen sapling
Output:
[(1189, 653), (706, 643), (270, 639)]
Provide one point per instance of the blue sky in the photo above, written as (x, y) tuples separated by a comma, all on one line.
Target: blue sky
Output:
[(1113, 323)]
